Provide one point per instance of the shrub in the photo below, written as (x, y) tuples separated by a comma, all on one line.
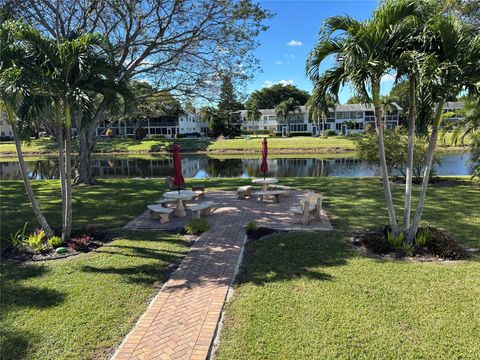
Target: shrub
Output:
[(396, 241), (304, 133), (37, 240), (251, 226), (55, 241), (18, 239), (197, 226), (421, 238), (80, 243), (330, 133), (408, 249)]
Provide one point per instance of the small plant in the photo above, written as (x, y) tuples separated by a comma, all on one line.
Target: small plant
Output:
[(408, 248), (197, 226), (251, 226), (421, 238), (18, 239), (395, 241), (55, 241), (80, 243), (37, 240)]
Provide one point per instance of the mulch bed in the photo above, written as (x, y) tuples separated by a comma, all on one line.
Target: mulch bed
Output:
[(93, 239), (439, 245)]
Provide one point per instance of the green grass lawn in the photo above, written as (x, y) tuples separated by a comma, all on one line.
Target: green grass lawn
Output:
[(300, 296), (311, 296), (80, 307), (48, 146)]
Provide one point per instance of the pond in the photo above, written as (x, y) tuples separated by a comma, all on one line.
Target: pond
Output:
[(202, 166)]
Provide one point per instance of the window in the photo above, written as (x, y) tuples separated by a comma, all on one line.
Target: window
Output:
[(265, 117), (338, 126)]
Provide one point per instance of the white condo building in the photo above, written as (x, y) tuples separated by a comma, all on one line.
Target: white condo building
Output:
[(343, 119), (166, 126)]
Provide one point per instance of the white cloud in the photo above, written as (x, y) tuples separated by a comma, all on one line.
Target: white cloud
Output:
[(278, 62), (294, 43), (269, 83), (388, 77)]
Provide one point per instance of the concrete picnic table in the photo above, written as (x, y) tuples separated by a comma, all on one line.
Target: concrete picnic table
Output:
[(180, 196), (265, 182)]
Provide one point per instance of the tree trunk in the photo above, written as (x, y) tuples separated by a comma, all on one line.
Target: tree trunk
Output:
[(68, 173), (410, 148), (383, 160), (87, 139), (428, 168), (23, 171), (61, 164)]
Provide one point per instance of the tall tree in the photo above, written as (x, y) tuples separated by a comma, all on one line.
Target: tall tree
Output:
[(452, 66), (179, 45), (377, 37), (269, 97), (355, 99), (285, 109), (14, 93), (319, 105), (229, 106), (68, 74)]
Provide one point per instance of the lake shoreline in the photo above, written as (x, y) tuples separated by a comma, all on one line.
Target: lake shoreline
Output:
[(9, 156)]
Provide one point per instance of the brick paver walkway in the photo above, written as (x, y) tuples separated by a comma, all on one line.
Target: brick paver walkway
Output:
[(181, 321)]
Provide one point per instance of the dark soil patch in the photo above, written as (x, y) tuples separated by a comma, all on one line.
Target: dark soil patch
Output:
[(81, 241), (262, 232), (439, 245)]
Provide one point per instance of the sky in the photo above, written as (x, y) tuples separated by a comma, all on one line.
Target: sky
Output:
[(293, 31)]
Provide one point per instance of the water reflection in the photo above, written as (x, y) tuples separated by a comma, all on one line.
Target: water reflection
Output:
[(203, 166)]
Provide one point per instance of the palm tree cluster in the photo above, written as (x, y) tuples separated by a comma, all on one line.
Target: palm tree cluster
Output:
[(437, 52), (58, 82)]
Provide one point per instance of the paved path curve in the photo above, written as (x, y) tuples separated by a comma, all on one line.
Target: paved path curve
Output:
[(181, 321)]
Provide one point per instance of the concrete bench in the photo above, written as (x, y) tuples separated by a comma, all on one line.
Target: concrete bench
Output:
[(203, 208), (164, 202), (311, 204), (160, 212), (275, 193), (280, 187), (244, 191)]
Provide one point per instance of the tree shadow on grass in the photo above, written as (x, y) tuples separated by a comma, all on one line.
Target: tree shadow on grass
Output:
[(146, 274), (14, 345), (17, 295), (292, 256)]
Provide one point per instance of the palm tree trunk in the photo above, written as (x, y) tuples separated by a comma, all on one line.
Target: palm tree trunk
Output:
[(428, 168), (23, 171), (68, 172), (61, 165), (383, 160), (410, 148)]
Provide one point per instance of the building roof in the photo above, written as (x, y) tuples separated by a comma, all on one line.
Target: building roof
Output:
[(343, 107), (453, 105)]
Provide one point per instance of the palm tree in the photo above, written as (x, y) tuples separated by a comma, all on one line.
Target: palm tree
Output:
[(13, 91), (69, 73), (468, 124), (362, 56), (253, 114), (318, 106), (285, 108), (452, 66)]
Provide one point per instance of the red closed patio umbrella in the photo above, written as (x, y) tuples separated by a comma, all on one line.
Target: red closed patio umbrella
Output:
[(178, 179), (264, 166)]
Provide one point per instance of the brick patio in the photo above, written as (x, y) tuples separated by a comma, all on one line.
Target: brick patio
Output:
[(182, 319)]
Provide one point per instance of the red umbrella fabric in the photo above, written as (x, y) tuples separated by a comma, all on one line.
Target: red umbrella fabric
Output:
[(264, 166), (178, 179)]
